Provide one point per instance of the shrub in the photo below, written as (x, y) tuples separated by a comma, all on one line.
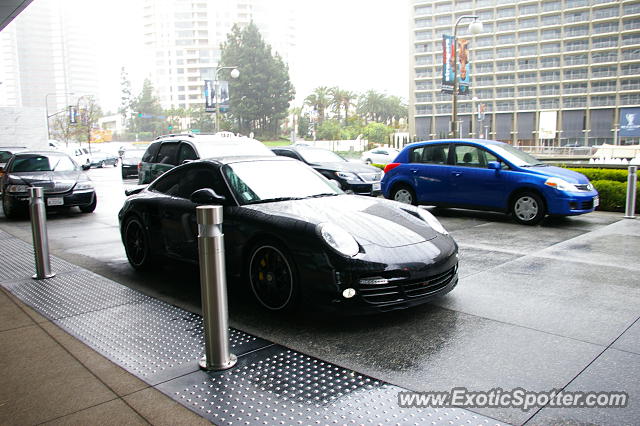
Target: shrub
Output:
[(613, 195), (617, 175)]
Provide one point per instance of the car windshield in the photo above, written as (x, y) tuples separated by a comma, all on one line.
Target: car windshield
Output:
[(265, 181), (43, 163), (515, 156), (320, 156), (5, 156)]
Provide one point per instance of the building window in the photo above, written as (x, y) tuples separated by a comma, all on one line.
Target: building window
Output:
[(423, 23), (604, 42), (484, 81), (486, 15), (506, 92), (482, 68), (630, 54), (550, 75), (506, 12), (484, 41), (601, 57), (575, 74), (576, 3), (483, 54), (609, 71), (443, 20), (576, 17), (526, 104), (553, 19), (527, 64), (550, 34), (529, 23), (528, 9), (603, 100), (423, 10), (527, 91), (550, 48), (631, 69), (423, 35), (424, 60), (423, 109), (528, 36), (631, 9), (576, 45), (484, 93), (424, 85), (549, 103), (605, 27), (578, 101), (630, 39), (506, 52), (443, 108), (606, 12), (424, 97), (549, 6), (549, 89), (629, 85), (575, 59), (603, 86), (575, 88), (527, 77), (505, 66), (577, 31), (444, 7), (631, 24), (630, 99), (506, 39), (503, 80), (424, 73), (504, 106), (424, 47)]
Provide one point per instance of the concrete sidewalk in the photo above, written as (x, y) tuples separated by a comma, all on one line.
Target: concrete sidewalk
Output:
[(50, 377)]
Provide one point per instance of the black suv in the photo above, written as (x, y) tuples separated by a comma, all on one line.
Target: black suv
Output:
[(350, 176), (169, 151)]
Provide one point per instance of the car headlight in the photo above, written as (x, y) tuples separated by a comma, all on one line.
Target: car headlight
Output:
[(83, 185), (339, 239), (17, 188), (432, 221), (347, 175), (561, 185)]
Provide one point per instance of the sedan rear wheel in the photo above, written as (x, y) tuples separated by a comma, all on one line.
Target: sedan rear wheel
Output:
[(136, 244), (528, 208), (272, 279), (405, 195)]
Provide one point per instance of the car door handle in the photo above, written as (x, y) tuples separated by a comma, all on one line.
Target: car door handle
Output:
[(456, 174)]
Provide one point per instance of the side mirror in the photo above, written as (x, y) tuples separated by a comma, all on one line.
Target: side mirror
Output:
[(207, 196), (494, 165)]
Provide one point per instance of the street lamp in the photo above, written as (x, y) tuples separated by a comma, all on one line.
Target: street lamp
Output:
[(46, 109), (474, 28), (234, 74)]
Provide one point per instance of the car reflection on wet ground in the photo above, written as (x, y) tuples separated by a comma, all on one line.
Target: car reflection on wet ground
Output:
[(549, 307)]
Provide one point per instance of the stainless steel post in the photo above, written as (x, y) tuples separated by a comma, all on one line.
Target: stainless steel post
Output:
[(38, 215), (213, 285), (632, 180)]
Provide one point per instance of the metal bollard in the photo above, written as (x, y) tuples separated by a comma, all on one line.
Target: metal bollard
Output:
[(213, 285), (632, 180), (38, 215)]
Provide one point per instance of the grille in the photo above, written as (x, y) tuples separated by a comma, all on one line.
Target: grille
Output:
[(586, 205), (54, 187), (399, 290), (370, 177)]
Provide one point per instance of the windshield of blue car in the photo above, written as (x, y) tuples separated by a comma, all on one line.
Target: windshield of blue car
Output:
[(320, 156), (515, 156), (264, 181), (43, 163)]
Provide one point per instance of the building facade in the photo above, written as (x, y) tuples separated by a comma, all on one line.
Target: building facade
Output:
[(47, 52), (182, 39), (573, 61)]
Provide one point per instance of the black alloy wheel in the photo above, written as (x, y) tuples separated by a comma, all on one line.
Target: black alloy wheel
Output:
[(272, 278), (136, 244)]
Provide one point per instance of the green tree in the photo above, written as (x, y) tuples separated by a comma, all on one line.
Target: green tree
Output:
[(342, 100), (377, 132), (319, 100), (175, 118), (260, 96), (370, 106), (329, 130), (89, 112), (202, 120), (303, 126), (147, 114)]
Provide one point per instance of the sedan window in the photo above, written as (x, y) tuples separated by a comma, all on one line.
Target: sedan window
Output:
[(186, 153), (168, 153), (185, 181), (430, 154), (469, 156)]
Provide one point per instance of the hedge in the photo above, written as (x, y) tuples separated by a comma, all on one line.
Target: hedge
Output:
[(613, 195), (617, 175)]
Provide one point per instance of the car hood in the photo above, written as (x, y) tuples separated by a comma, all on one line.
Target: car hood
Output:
[(369, 220), (553, 171), (347, 166), (50, 181)]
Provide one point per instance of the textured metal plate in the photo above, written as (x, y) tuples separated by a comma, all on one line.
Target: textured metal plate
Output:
[(5, 235), (151, 339), (18, 261), (73, 293), (280, 386)]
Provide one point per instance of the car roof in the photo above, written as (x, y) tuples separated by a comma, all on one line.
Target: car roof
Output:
[(482, 142), (42, 152)]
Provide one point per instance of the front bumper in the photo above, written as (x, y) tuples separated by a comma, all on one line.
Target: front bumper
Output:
[(563, 203), (69, 199), (386, 279), (368, 188)]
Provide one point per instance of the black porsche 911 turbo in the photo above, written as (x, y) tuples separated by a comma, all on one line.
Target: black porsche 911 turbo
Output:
[(294, 237)]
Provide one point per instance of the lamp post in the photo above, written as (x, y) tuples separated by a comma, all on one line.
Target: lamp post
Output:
[(216, 86), (46, 109), (474, 28)]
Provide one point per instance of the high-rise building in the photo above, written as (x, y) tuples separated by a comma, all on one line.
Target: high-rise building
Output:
[(46, 53), (577, 59), (182, 40)]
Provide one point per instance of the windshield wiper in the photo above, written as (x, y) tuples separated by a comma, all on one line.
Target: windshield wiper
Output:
[(276, 199), (324, 194)]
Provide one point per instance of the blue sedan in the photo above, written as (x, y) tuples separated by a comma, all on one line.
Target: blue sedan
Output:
[(486, 175)]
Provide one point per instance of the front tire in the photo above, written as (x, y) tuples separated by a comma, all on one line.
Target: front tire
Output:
[(136, 245), (272, 278), (11, 210), (404, 194), (90, 208), (528, 208)]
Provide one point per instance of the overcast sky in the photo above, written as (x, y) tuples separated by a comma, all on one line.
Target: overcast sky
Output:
[(354, 44)]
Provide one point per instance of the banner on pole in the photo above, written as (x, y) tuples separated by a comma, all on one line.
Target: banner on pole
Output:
[(224, 95), (448, 62), (629, 122), (464, 67), (209, 96)]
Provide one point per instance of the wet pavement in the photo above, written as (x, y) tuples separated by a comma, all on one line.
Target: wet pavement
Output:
[(548, 307)]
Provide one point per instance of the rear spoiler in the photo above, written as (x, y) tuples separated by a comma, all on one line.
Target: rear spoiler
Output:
[(134, 190)]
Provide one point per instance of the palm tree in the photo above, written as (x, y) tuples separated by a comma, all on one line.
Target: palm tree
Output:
[(371, 106), (319, 101)]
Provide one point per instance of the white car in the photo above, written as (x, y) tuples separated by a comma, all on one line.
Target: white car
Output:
[(379, 156), (80, 155)]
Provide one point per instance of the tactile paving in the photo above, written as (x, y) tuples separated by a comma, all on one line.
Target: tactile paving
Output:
[(280, 386), (73, 293), (18, 260), (151, 339), (5, 235)]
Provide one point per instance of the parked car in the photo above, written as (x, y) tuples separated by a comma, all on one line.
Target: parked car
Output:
[(63, 182), (292, 236), (352, 177), (80, 155), (131, 159), (169, 151), (6, 152), (487, 175), (379, 156), (100, 159)]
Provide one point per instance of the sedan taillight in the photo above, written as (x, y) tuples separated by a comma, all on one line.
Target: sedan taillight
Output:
[(139, 166), (390, 167)]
